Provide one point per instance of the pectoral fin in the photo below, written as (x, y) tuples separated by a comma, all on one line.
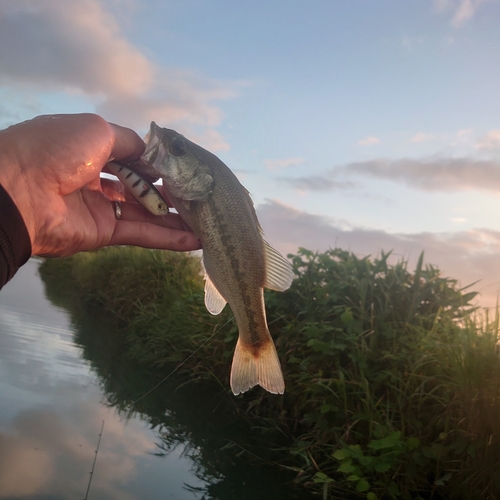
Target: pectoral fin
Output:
[(279, 272), (214, 301)]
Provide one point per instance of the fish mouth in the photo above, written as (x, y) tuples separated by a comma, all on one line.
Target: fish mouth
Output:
[(154, 155)]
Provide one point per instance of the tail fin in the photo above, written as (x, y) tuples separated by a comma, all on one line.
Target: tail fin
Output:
[(261, 368)]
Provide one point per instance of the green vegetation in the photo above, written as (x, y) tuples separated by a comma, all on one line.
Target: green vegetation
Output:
[(393, 378)]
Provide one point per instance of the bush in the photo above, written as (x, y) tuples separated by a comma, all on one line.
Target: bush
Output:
[(393, 377)]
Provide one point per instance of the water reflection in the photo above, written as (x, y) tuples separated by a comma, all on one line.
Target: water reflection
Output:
[(51, 413), (197, 420), (62, 373)]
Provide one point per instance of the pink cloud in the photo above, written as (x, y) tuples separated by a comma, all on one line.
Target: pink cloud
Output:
[(369, 141), (468, 256), (81, 49)]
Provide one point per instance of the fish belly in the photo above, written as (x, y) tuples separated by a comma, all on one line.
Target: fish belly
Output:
[(234, 261)]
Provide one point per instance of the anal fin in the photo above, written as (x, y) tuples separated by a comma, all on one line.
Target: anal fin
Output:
[(214, 301), (256, 368)]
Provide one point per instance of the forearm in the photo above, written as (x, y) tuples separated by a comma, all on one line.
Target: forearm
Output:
[(13, 145), (15, 244)]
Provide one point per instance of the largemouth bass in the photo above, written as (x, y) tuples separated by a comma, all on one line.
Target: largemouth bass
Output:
[(238, 262)]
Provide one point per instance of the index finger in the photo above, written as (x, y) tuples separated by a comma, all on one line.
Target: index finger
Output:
[(128, 145)]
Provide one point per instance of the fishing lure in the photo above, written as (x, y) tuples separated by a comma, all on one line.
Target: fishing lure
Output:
[(142, 190)]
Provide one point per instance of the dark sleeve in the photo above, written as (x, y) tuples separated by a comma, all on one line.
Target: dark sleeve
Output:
[(15, 244)]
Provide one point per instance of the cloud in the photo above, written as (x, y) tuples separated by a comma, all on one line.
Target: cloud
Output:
[(434, 174), (315, 183), (77, 48), (465, 10), (429, 174), (368, 141), (421, 137), (180, 100), (80, 49), (411, 43), (466, 255), (461, 11), (211, 139), (463, 137), (458, 220), (286, 162), (44, 454), (490, 141)]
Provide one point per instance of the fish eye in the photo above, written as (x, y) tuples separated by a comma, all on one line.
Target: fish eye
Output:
[(178, 147)]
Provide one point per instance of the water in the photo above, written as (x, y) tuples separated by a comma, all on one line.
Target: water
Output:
[(51, 412), (63, 373)]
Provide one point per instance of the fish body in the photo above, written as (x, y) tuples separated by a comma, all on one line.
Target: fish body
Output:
[(141, 189), (237, 260)]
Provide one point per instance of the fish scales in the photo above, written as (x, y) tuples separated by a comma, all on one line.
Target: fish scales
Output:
[(237, 260), (233, 251), (233, 256)]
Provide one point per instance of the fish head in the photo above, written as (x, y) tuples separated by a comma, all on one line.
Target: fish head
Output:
[(179, 162)]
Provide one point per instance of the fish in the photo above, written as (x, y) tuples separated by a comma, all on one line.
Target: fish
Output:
[(140, 188), (238, 262)]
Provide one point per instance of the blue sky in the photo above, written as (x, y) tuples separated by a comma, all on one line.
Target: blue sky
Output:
[(368, 125)]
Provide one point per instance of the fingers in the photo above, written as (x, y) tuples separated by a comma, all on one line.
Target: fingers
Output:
[(135, 227), (128, 145), (133, 212), (138, 227), (149, 235), (114, 190)]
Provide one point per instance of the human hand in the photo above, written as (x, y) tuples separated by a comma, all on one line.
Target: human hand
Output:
[(51, 166)]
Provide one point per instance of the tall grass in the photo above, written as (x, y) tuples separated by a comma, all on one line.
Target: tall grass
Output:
[(155, 297), (393, 377)]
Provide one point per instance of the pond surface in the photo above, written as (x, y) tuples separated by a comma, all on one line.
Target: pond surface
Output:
[(62, 375), (52, 409)]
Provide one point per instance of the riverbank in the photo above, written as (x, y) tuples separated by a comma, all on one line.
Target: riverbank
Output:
[(393, 381)]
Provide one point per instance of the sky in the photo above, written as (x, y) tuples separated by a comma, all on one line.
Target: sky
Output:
[(366, 125)]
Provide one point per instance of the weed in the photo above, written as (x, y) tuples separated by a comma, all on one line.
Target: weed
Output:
[(393, 377)]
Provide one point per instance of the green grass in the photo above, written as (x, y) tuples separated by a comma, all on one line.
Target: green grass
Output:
[(393, 378)]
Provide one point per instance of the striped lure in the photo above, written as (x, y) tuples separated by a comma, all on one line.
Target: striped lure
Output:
[(142, 190)]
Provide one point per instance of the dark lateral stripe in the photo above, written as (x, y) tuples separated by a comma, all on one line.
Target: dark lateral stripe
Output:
[(129, 175), (145, 192), (136, 183), (229, 242), (120, 169)]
